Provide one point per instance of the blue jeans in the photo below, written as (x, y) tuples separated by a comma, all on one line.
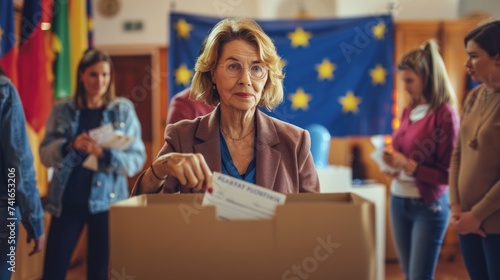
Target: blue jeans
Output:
[(7, 256), (418, 231), (481, 256)]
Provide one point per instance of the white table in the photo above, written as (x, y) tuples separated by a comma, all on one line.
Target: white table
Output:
[(335, 178)]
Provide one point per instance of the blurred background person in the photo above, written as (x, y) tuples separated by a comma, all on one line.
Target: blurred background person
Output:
[(238, 71), (184, 107), (475, 172), (77, 195), (421, 152), (18, 179)]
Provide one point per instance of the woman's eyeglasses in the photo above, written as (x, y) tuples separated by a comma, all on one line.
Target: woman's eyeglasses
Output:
[(257, 71)]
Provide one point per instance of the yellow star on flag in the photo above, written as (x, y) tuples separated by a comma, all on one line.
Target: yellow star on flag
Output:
[(299, 37), (300, 99), (379, 30), (183, 28), (325, 69), (1, 33), (378, 74), (350, 102), (183, 75)]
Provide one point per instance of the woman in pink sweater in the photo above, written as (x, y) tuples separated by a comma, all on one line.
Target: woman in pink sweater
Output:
[(421, 153)]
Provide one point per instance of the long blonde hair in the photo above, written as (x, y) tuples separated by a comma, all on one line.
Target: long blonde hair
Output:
[(427, 63)]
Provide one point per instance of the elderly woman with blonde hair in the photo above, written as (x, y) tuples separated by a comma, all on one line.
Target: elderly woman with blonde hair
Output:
[(238, 71)]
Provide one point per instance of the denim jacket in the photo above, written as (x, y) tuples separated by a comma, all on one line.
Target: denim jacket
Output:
[(15, 154), (109, 182)]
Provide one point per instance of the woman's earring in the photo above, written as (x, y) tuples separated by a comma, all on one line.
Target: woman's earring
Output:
[(215, 91)]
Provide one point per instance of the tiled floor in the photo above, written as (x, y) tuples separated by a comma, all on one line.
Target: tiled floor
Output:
[(445, 270)]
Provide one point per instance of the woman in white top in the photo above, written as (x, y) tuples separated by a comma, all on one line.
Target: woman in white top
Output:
[(420, 155)]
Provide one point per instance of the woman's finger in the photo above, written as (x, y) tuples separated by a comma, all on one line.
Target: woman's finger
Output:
[(191, 179), (207, 173), (173, 166), (197, 169)]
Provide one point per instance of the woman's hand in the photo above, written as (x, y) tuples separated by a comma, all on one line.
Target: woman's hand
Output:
[(399, 161), (455, 210), (86, 144), (466, 223), (39, 244), (391, 174), (191, 170)]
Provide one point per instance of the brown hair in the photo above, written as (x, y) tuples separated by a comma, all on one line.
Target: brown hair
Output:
[(427, 63), (91, 57), (249, 31), (487, 36)]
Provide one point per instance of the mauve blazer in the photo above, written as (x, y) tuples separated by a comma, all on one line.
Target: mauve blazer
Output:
[(284, 160)]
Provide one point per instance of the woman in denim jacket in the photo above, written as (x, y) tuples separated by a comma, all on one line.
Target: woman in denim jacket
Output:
[(18, 190), (78, 195)]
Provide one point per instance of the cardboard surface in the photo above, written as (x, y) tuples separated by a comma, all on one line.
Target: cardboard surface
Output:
[(313, 236)]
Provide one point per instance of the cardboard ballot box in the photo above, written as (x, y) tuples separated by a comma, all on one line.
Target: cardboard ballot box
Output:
[(312, 236)]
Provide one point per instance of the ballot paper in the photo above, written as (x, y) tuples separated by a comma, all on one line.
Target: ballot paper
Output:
[(107, 138), (377, 156), (236, 199)]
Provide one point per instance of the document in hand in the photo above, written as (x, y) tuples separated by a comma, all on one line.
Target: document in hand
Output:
[(236, 199), (377, 156), (107, 138)]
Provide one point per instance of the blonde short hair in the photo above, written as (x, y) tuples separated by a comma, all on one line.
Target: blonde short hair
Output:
[(249, 31)]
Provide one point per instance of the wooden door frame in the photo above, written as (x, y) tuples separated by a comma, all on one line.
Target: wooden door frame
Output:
[(154, 52)]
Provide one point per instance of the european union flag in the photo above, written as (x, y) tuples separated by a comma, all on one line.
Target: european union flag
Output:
[(339, 72)]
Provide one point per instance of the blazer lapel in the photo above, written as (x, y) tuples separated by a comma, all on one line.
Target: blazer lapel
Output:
[(268, 159), (207, 136)]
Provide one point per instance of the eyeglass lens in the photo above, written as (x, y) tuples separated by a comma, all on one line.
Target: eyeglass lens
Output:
[(233, 69)]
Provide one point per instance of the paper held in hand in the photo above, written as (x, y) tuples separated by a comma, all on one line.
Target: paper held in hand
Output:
[(377, 156), (236, 199), (107, 138)]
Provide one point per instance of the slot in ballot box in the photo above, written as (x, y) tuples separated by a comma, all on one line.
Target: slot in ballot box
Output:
[(314, 236)]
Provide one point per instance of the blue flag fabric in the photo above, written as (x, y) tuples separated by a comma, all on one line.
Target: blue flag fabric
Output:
[(90, 22), (8, 50), (339, 72)]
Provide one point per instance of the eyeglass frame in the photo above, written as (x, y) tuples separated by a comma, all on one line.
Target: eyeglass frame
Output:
[(266, 70)]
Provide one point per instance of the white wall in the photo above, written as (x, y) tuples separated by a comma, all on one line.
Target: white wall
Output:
[(427, 9), (154, 13), (281, 9), (490, 6)]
